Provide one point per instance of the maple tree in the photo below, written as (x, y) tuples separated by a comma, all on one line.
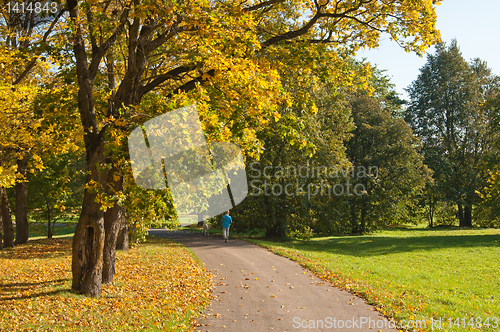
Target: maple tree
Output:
[(17, 136), (24, 58), (215, 53)]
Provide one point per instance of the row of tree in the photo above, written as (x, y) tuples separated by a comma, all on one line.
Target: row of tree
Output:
[(275, 77), (436, 155)]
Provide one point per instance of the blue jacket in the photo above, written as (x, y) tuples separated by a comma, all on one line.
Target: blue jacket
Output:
[(226, 221)]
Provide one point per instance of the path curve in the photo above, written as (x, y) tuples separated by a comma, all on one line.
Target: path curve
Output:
[(257, 290)]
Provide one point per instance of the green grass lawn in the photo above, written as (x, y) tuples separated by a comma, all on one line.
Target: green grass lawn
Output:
[(39, 231), (417, 274)]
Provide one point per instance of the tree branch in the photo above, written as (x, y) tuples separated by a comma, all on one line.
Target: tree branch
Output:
[(103, 49), (302, 31), (191, 85), (28, 68), (85, 99), (262, 5), (32, 63), (163, 38), (292, 34), (93, 41), (172, 74)]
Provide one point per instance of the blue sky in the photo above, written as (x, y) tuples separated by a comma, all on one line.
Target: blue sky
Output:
[(474, 23)]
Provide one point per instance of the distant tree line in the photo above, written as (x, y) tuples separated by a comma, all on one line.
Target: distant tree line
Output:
[(436, 155)]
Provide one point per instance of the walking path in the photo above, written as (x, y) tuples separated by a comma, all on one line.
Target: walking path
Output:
[(257, 290)]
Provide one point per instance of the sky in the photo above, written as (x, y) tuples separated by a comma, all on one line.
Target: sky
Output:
[(475, 24)]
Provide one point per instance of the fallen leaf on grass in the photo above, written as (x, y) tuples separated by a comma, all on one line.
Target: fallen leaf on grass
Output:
[(157, 285)]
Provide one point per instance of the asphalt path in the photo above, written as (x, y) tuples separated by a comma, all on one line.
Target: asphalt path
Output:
[(256, 290)]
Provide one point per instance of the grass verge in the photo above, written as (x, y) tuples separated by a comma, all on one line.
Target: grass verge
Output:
[(159, 286), (451, 276)]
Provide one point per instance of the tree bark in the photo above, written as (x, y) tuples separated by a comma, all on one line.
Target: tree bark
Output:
[(88, 241), (111, 229), (8, 227), (1, 232), (122, 240), (22, 226), (112, 222)]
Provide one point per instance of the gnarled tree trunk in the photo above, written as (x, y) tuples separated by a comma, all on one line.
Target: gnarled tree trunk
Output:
[(22, 226), (88, 241)]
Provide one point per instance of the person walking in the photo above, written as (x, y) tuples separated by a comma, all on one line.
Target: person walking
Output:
[(226, 222)]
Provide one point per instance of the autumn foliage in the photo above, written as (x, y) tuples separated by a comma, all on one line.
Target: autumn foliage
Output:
[(158, 285)]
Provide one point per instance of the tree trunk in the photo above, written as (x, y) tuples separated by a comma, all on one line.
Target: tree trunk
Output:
[(272, 231), (22, 227), (8, 228), (122, 240), (49, 229), (111, 229), (112, 222), (431, 207), (354, 218), (461, 218), (89, 238), (468, 215), (1, 232), (362, 223), (88, 241), (430, 216), (277, 230)]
